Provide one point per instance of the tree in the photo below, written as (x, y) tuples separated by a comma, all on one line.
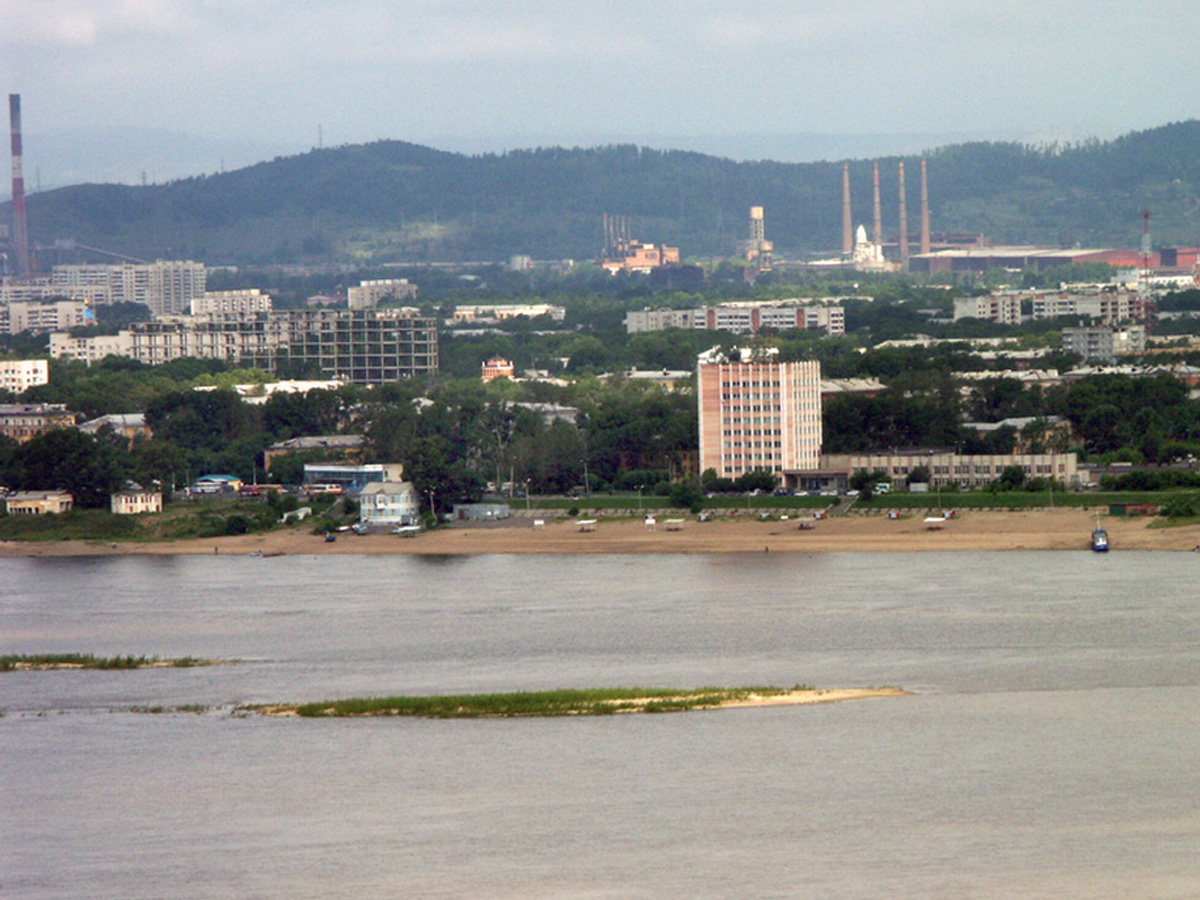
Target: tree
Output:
[(66, 459), (1011, 479)]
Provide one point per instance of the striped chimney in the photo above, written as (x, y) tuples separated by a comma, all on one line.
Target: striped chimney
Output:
[(847, 221), (20, 235)]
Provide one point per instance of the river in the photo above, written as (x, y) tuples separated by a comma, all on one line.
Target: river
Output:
[(1048, 752)]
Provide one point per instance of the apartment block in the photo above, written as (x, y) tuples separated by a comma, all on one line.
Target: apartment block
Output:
[(369, 294), (43, 316), (1110, 308), (19, 375), (24, 421), (361, 346), (1104, 343), (90, 349), (168, 287), (1002, 308), (758, 415), (744, 318), (498, 312), (243, 301)]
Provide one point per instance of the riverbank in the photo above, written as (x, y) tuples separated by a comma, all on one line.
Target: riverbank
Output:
[(1042, 529)]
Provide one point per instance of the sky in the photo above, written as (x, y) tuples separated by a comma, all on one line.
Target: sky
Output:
[(159, 84)]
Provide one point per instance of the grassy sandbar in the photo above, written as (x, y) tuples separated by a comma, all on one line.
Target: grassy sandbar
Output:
[(15, 662), (568, 702)]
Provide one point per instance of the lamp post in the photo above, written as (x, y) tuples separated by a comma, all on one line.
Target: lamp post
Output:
[(527, 507), (639, 499)]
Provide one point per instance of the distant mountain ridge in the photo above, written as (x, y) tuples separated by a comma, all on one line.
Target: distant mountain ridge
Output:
[(396, 201)]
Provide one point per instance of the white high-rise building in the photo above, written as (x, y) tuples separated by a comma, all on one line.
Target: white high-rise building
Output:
[(166, 286)]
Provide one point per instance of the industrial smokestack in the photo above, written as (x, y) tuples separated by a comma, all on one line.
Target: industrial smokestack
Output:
[(903, 217), (20, 235), (926, 244), (847, 223), (877, 236)]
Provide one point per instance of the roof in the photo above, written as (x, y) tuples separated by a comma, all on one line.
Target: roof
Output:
[(116, 420), (388, 487), (38, 495), (321, 442)]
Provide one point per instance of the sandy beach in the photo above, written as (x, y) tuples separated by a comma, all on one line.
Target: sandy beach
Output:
[(1045, 529)]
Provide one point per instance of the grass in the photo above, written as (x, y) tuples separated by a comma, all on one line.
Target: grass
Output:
[(625, 504), (591, 702), (14, 661), (1007, 500), (179, 520), (78, 524)]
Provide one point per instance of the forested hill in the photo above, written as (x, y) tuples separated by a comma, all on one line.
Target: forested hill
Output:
[(392, 200)]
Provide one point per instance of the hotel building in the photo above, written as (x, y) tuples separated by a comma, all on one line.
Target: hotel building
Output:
[(759, 415)]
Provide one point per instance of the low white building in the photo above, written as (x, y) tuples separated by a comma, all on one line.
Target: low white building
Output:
[(136, 500), (389, 503), (39, 503)]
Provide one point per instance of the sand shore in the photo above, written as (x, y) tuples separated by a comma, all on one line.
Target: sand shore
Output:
[(1045, 529)]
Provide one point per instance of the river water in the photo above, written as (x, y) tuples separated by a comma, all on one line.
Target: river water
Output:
[(1050, 751)]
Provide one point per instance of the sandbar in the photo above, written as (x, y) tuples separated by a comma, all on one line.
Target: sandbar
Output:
[(797, 697)]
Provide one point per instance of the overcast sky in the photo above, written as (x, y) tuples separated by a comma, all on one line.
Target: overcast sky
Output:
[(483, 73)]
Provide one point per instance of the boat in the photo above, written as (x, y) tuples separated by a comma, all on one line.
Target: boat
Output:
[(1100, 539)]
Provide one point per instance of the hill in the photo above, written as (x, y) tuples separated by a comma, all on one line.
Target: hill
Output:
[(391, 200)]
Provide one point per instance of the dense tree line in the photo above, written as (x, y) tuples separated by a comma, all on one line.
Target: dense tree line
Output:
[(391, 200)]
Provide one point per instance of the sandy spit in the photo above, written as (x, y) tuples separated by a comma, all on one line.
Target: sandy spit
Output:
[(801, 697)]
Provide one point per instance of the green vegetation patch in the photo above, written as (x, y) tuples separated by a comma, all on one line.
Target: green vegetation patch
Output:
[(78, 524), (571, 702), (16, 661), (1004, 500)]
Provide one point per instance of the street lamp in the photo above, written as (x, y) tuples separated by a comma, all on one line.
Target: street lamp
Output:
[(639, 498)]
